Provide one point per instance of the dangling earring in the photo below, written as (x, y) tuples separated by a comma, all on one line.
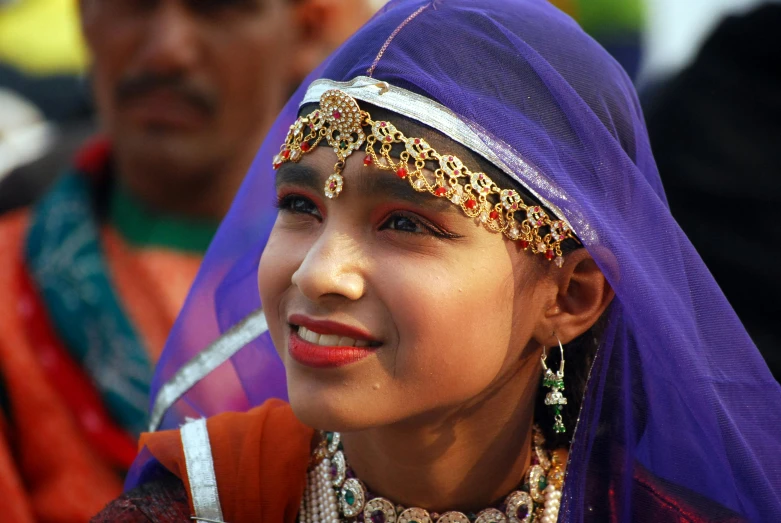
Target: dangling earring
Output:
[(555, 381)]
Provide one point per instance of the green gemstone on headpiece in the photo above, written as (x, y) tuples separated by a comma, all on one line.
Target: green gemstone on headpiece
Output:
[(543, 482), (349, 497), (329, 437)]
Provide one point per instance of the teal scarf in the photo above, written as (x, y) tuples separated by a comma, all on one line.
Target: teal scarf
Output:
[(66, 262)]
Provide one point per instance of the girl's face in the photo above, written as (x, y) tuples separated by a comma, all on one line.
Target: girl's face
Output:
[(386, 304)]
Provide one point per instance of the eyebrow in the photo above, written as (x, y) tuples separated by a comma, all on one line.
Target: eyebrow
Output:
[(375, 184)]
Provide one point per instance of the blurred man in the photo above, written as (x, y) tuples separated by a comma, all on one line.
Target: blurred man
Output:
[(94, 274)]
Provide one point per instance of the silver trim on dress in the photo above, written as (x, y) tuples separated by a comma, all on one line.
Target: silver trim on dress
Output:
[(200, 471)]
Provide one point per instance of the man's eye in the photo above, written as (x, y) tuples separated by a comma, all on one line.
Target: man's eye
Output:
[(214, 5), (298, 205)]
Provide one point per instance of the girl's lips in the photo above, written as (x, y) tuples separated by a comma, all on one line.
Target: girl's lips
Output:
[(333, 328), (323, 357)]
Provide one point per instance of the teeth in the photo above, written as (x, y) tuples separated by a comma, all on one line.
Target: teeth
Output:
[(329, 340)]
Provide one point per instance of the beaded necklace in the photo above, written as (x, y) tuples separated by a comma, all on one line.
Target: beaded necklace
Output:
[(334, 495)]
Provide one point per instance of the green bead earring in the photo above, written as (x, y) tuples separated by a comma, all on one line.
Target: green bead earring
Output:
[(554, 381)]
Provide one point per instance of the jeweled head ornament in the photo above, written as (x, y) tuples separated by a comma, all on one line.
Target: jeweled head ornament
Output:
[(345, 127)]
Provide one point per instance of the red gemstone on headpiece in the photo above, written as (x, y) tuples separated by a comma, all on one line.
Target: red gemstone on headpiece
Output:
[(388, 138), (336, 114), (417, 141), (332, 186), (402, 172), (305, 146), (367, 161), (549, 254), (524, 244), (494, 215), (441, 191), (286, 154), (471, 203)]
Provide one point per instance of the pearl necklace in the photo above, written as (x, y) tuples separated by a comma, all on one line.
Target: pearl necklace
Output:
[(333, 495)]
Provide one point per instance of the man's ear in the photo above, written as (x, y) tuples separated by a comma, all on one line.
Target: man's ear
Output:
[(582, 295), (321, 26)]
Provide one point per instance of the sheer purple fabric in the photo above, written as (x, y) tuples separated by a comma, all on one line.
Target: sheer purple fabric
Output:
[(677, 388)]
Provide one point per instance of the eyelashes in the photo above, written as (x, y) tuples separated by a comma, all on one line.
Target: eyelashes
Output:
[(403, 222), (297, 204)]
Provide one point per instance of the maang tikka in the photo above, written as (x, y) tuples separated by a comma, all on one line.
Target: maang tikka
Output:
[(346, 128), (555, 381)]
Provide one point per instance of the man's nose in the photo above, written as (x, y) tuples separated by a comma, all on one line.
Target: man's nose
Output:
[(171, 41)]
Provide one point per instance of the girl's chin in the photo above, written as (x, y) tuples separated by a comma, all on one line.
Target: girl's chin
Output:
[(333, 412), (328, 419)]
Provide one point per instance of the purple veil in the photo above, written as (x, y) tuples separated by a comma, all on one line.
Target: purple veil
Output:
[(677, 388)]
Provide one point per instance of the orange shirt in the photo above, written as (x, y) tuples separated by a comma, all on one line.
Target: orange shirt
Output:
[(49, 472)]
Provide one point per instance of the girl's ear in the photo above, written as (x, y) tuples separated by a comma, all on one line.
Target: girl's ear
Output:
[(581, 296)]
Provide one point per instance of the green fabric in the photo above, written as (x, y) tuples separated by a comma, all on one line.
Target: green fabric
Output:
[(143, 227), (65, 259)]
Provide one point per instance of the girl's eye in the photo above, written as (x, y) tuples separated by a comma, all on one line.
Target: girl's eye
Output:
[(400, 222), (297, 204), (415, 225)]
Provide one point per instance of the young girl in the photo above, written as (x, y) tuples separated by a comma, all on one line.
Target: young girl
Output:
[(484, 309)]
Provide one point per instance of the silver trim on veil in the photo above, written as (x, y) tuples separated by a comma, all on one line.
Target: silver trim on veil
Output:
[(217, 353), (428, 112)]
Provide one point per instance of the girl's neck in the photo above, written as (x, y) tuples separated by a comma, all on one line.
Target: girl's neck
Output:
[(465, 459)]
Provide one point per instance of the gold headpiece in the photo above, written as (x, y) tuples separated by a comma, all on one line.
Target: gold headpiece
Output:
[(341, 123)]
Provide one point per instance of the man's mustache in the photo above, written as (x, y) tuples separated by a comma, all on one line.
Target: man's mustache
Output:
[(137, 86)]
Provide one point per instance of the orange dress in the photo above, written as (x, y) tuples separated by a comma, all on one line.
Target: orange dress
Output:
[(260, 461), (59, 459)]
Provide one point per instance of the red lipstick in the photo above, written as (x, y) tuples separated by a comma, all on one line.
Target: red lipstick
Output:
[(321, 356)]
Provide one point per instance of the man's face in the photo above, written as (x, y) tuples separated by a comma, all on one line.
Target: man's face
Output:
[(189, 86)]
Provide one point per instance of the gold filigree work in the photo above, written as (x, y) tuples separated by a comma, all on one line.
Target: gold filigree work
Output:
[(346, 128)]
